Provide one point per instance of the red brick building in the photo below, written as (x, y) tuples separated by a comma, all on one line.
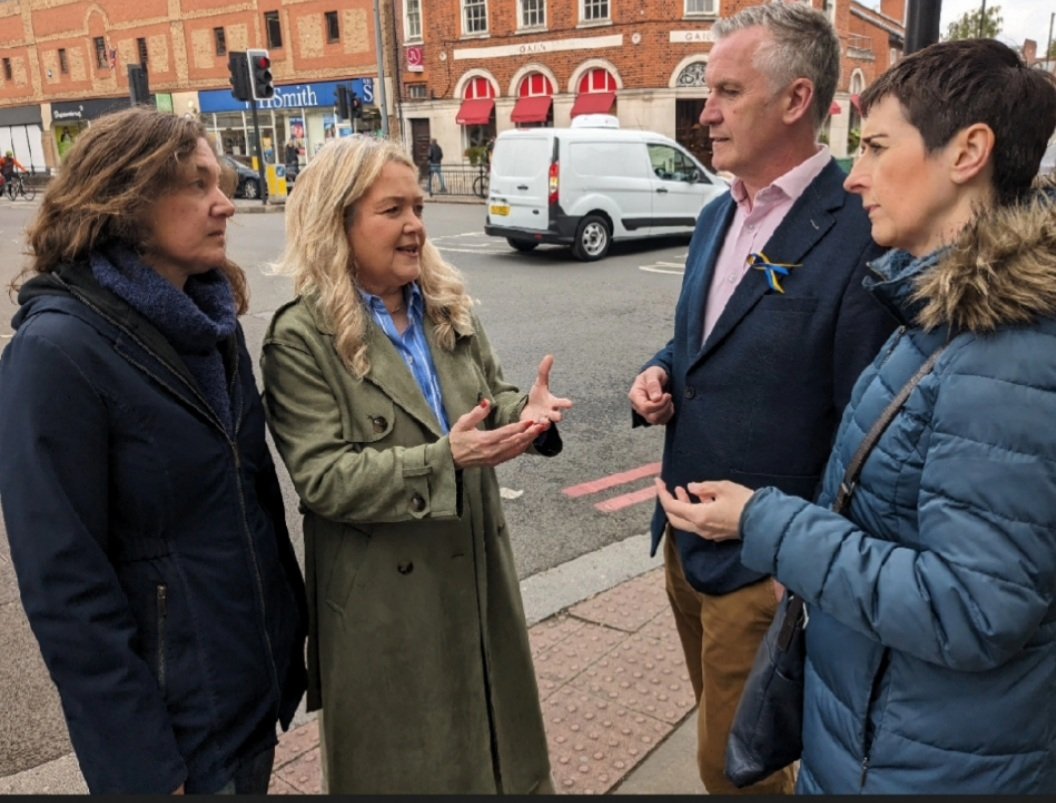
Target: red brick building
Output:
[(471, 68), (63, 62), (457, 70)]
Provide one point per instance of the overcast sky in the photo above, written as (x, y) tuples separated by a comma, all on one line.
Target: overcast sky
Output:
[(1024, 19)]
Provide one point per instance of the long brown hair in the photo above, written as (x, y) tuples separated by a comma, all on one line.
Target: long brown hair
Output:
[(110, 177)]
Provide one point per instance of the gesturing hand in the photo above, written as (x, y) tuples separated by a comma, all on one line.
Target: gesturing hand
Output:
[(649, 398), (543, 406), (472, 447), (716, 517)]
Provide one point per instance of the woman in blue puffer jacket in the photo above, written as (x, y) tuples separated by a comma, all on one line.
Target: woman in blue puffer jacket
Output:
[(931, 638), (141, 502)]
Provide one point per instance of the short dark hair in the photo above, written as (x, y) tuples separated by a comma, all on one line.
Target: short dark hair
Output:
[(949, 86)]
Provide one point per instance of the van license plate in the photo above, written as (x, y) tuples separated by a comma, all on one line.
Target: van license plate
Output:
[(499, 209)]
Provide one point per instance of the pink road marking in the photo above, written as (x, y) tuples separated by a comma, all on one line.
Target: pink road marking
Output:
[(612, 481), (626, 500)]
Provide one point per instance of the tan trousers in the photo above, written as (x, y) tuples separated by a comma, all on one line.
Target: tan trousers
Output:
[(720, 636)]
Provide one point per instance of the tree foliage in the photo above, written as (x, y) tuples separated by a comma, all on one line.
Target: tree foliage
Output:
[(967, 27)]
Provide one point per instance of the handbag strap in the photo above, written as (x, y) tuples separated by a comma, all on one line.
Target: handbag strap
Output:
[(795, 616), (854, 468)]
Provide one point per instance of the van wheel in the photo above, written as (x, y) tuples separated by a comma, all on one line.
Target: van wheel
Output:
[(593, 238), (522, 245)]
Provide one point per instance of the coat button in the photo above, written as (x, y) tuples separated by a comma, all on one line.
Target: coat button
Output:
[(417, 503), (405, 568), (379, 423), (690, 392)]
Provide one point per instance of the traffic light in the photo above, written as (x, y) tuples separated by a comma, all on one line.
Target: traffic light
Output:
[(356, 105), (344, 108), (138, 87), (238, 66), (260, 74)]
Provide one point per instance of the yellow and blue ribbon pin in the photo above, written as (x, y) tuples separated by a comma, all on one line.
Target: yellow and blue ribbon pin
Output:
[(773, 270)]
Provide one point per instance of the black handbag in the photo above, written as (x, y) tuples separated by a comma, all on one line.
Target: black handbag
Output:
[(767, 731)]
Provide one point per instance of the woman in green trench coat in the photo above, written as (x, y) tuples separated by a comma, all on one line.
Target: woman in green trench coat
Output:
[(390, 412)]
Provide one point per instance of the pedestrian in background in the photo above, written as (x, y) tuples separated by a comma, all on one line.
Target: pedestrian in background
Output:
[(142, 506), (390, 411), (931, 637), (772, 328), (436, 156)]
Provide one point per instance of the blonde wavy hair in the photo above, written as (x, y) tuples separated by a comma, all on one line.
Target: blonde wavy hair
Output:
[(318, 257)]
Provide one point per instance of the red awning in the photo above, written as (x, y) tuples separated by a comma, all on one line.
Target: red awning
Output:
[(593, 103), (475, 112), (532, 110), (835, 108)]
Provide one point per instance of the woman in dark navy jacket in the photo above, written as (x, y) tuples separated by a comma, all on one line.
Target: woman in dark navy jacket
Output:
[(142, 506)]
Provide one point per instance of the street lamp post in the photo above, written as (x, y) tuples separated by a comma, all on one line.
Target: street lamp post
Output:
[(381, 71)]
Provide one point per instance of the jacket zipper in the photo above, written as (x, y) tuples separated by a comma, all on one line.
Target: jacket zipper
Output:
[(232, 441), (874, 694), (163, 615)]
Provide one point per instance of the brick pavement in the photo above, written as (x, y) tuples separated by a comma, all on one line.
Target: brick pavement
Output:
[(611, 679)]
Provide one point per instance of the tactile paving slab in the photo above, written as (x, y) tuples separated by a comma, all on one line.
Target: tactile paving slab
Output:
[(569, 657), (295, 742), (594, 743), (304, 773), (277, 786), (549, 632), (628, 606), (643, 674)]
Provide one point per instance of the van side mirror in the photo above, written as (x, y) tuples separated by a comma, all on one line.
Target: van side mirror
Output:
[(692, 175)]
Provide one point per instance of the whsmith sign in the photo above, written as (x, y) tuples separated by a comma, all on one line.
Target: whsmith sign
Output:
[(294, 96)]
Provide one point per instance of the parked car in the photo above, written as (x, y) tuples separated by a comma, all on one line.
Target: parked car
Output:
[(591, 184), (248, 180)]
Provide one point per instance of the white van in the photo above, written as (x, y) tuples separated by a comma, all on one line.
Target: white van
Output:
[(587, 186)]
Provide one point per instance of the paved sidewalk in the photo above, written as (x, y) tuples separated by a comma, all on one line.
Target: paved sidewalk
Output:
[(613, 689), (615, 695)]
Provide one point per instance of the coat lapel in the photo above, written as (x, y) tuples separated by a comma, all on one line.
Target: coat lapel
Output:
[(393, 377), (805, 224)]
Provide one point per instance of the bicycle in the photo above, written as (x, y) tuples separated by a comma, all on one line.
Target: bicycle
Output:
[(481, 182), (16, 188)]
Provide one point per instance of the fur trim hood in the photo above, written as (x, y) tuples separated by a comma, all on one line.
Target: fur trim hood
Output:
[(1000, 271)]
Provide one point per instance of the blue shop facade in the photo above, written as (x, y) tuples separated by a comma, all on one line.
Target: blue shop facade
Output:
[(301, 117)]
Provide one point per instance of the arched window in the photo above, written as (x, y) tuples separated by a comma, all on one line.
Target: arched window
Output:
[(477, 112), (692, 75), (534, 105), (597, 93)]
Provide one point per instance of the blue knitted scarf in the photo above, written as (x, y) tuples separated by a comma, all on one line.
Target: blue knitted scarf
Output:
[(194, 321)]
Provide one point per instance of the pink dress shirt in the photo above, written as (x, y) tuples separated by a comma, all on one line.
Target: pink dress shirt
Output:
[(752, 226)]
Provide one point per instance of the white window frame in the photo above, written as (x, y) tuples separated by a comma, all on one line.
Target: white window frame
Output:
[(585, 4), (702, 8), (412, 20), (522, 23), (481, 4)]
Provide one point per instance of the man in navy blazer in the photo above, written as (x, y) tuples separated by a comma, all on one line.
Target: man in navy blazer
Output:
[(772, 329)]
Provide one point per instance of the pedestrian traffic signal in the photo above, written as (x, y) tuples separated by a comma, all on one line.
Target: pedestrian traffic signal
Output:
[(344, 108), (260, 74), (238, 66)]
